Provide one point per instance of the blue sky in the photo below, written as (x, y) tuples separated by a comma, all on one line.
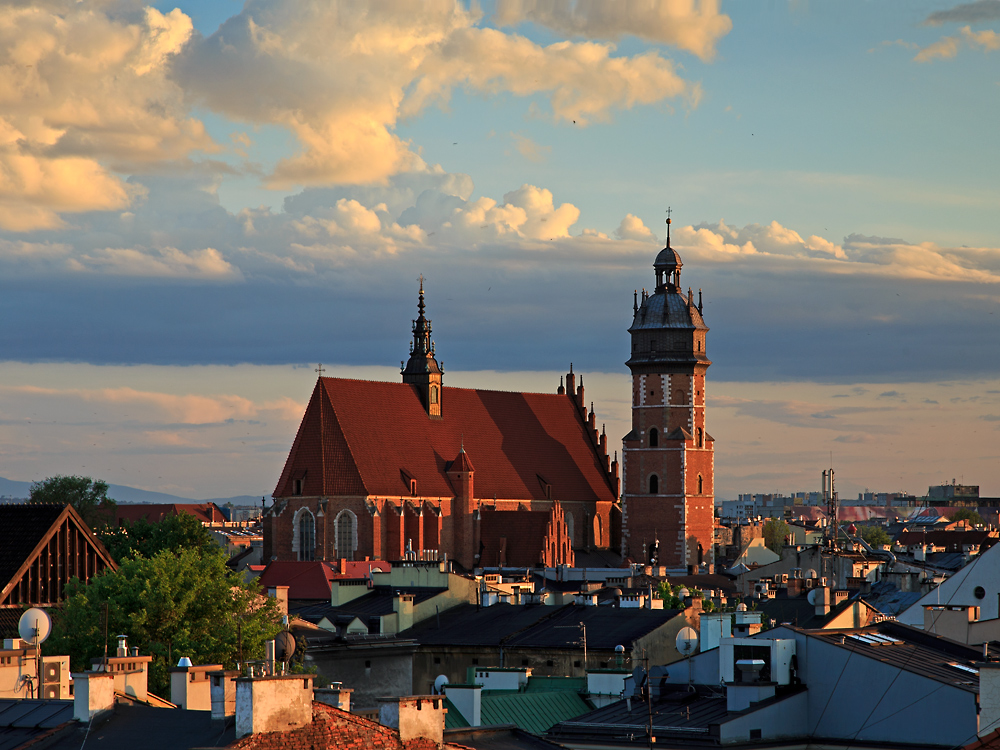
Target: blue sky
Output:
[(211, 188)]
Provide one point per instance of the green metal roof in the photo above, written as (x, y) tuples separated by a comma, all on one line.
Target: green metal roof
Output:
[(534, 712), (453, 719), (547, 684)]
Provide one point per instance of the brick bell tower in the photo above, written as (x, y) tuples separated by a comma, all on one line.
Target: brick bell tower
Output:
[(668, 495), (422, 369)]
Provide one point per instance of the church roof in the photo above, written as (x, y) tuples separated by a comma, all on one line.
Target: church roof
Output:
[(361, 438)]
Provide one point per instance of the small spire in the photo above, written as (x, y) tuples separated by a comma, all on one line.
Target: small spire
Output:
[(603, 429), (420, 304), (561, 381), (699, 301), (635, 301), (570, 368), (591, 403), (668, 225)]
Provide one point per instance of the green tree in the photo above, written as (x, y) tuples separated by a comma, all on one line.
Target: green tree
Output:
[(143, 539), (89, 497), (174, 604), (968, 514), (775, 533), (876, 536)]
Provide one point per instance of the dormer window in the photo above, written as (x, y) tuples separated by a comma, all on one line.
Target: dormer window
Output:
[(296, 486), (413, 488), (434, 394)]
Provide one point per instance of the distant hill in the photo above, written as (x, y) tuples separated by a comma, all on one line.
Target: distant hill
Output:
[(123, 494)]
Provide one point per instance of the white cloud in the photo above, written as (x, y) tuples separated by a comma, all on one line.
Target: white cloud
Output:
[(692, 25), (632, 228), (340, 76), (84, 94), (167, 262)]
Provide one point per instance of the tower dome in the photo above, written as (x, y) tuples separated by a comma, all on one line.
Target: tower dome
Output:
[(668, 266)]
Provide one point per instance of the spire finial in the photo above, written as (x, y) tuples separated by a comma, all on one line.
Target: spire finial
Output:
[(669, 211), (320, 370), (571, 368), (635, 300), (420, 303)]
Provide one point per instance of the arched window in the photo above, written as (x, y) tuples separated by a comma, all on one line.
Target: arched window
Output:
[(654, 437), (654, 484), (701, 438), (597, 531), (306, 535), (346, 529), (434, 394), (701, 484)]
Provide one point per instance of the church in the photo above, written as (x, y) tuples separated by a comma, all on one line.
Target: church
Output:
[(417, 469)]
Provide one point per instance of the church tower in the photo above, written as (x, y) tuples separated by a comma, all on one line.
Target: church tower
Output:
[(422, 369), (668, 494)]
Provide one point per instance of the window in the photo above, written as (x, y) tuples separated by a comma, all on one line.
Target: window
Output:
[(307, 536), (700, 438), (701, 485), (413, 487), (652, 345), (654, 484), (296, 486), (654, 437), (346, 534), (524, 662), (434, 394), (979, 592)]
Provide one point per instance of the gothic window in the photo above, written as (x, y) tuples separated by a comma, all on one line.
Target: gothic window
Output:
[(413, 488), (701, 485), (654, 484), (434, 394), (346, 529), (654, 437), (306, 533)]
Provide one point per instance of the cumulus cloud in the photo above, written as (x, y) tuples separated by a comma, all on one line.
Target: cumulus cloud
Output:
[(340, 76), (774, 245), (84, 93), (947, 47), (974, 12), (695, 26), (167, 262), (632, 228)]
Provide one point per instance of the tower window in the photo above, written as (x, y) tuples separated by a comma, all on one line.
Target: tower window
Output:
[(434, 394), (654, 437), (701, 484), (654, 484), (701, 438)]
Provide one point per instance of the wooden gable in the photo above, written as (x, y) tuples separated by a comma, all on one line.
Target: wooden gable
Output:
[(64, 547)]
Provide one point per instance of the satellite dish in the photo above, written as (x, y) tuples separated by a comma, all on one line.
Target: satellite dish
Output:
[(812, 596), (284, 646), (686, 641), (439, 682), (34, 626)]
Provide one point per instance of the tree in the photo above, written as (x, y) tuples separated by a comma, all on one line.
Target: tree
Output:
[(776, 532), (174, 604), (969, 515), (876, 536), (144, 539), (89, 497)]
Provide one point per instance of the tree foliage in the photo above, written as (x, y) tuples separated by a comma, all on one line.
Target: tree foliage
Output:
[(775, 533), (89, 497), (173, 604), (969, 515), (876, 536), (143, 539)]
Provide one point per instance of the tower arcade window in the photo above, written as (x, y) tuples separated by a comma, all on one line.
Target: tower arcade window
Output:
[(654, 437), (654, 484)]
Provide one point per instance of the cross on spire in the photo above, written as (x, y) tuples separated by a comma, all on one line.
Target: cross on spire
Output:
[(320, 369)]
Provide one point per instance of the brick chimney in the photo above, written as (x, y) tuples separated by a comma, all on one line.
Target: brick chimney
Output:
[(273, 704)]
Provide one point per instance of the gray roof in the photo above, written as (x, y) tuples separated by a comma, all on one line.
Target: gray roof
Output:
[(24, 720), (679, 315)]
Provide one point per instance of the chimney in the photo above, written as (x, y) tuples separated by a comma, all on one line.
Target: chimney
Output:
[(989, 697), (402, 605), (467, 699), (223, 692), (280, 593), (191, 686), (93, 694), (273, 704), (414, 717), (336, 695), (821, 599)]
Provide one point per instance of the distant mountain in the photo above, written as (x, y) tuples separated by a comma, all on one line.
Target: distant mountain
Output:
[(123, 494)]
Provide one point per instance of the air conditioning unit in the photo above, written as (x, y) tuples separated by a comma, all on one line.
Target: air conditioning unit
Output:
[(52, 672)]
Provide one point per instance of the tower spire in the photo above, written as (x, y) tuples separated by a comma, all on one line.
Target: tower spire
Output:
[(422, 369), (669, 211)]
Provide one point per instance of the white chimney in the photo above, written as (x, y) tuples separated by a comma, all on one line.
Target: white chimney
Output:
[(93, 694), (273, 704)]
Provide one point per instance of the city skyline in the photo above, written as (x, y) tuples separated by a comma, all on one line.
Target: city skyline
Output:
[(201, 202)]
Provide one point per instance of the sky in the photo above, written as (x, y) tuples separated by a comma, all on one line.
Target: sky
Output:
[(200, 202)]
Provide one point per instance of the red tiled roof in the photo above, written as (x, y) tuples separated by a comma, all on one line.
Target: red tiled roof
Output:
[(524, 531), (305, 580), (333, 728), (156, 512), (370, 438)]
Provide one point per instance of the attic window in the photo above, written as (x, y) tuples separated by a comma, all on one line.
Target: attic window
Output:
[(296, 486), (413, 488)]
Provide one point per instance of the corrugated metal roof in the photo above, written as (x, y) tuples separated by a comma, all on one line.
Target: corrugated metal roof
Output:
[(535, 712)]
